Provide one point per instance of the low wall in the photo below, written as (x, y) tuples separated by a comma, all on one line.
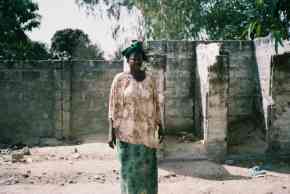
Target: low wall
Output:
[(69, 99), (91, 82), (279, 122), (27, 101), (274, 83), (42, 100)]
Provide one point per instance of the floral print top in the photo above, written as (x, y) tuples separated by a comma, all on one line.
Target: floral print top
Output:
[(134, 109)]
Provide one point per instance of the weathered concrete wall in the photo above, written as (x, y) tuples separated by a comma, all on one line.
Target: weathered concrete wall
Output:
[(91, 82), (217, 108), (243, 93), (244, 115), (187, 86), (157, 61), (179, 94), (279, 125), (179, 83), (275, 123), (203, 62), (42, 100), (56, 99), (230, 108), (264, 51), (27, 101)]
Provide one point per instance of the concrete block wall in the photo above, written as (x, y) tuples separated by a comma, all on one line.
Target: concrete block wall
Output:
[(179, 83), (264, 52), (242, 112), (274, 97), (180, 72), (91, 82), (42, 99), (279, 125), (217, 108), (203, 62), (27, 101), (243, 92), (230, 107), (245, 115), (243, 109), (156, 53)]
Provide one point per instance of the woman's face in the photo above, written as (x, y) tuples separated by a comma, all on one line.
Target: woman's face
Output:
[(135, 61)]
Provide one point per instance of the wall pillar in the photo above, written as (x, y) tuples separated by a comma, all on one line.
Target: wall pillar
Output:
[(279, 123), (67, 98), (157, 59), (217, 109), (62, 74)]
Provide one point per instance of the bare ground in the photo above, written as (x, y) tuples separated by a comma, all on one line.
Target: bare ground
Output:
[(93, 168)]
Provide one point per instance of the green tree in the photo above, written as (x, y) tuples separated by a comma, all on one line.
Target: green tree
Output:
[(16, 18), (270, 16), (74, 43), (187, 19), (36, 50), (226, 19), (218, 19)]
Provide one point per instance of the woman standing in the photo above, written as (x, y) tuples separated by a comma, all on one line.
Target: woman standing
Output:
[(135, 125)]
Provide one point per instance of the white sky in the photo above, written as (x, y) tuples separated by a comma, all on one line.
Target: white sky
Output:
[(61, 14)]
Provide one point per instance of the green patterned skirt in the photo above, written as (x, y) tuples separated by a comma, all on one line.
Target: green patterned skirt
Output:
[(138, 168)]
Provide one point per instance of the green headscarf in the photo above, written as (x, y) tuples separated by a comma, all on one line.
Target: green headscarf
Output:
[(136, 46)]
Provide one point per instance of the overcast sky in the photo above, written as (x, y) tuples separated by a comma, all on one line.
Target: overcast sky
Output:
[(60, 14)]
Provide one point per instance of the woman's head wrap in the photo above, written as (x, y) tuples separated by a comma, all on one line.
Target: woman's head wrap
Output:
[(136, 46)]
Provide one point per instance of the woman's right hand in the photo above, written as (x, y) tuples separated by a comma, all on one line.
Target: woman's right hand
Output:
[(112, 142)]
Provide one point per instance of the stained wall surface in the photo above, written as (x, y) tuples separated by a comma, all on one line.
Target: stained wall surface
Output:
[(91, 81), (27, 101), (69, 99), (279, 125), (54, 99)]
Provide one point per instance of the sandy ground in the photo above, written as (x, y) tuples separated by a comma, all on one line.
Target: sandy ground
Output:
[(92, 168)]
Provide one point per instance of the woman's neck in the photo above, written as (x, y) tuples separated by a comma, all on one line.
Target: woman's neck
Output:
[(138, 75)]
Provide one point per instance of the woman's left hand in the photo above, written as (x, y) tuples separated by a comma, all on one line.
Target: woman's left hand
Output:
[(160, 133)]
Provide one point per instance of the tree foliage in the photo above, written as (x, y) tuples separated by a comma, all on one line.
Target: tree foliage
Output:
[(217, 19), (225, 19), (74, 43), (16, 18), (36, 50), (270, 17), (22, 50)]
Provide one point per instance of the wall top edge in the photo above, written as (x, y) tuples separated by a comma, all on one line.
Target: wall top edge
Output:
[(57, 61)]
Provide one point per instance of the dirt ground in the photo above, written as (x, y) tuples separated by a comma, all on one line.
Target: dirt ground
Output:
[(93, 168)]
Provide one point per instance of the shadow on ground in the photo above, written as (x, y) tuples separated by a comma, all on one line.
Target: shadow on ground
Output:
[(189, 158), (200, 169)]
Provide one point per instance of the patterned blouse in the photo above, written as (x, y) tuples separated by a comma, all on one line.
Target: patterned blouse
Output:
[(134, 109)]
